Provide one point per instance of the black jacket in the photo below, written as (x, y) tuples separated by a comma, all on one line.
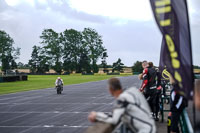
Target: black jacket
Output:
[(177, 101)]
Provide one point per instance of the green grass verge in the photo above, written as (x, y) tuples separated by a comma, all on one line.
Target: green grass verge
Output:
[(46, 81)]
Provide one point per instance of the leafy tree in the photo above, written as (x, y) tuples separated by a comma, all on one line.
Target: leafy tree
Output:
[(109, 66), (93, 42), (13, 64), (34, 61), (68, 65), (72, 49), (26, 66), (196, 67), (8, 54), (84, 63), (118, 66), (44, 63), (104, 63), (53, 48), (20, 65), (137, 67), (38, 62)]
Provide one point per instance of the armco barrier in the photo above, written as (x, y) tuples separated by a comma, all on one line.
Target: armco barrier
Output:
[(87, 73), (13, 78), (23, 77), (1, 79), (197, 76), (136, 73), (113, 73), (186, 126)]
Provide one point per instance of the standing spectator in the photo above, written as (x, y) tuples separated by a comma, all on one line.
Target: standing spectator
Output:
[(144, 65), (197, 102), (158, 91), (177, 104), (149, 86), (131, 108)]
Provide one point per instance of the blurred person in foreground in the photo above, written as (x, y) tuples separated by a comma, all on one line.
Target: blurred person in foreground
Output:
[(177, 103), (131, 108), (197, 102)]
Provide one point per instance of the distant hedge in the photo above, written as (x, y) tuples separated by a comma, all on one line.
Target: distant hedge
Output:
[(87, 73), (13, 78), (136, 73), (113, 73)]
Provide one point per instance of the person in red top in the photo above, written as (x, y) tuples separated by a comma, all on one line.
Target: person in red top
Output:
[(144, 66), (149, 85)]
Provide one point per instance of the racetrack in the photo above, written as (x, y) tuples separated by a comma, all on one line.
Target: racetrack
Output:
[(43, 111)]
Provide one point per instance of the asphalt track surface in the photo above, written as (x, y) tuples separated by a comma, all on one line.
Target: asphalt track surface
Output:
[(43, 111)]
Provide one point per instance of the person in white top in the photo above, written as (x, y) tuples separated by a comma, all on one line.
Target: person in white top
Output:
[(131, 108), (59, 82)]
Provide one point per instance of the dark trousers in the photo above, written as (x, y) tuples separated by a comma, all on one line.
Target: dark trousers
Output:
[(157, 103), (150, 96), (175, 120)]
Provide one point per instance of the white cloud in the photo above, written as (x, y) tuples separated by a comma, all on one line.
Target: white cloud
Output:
[(42, 1), (17, 2), (60, 2), (12, 2), (127, 35), (122, 9)]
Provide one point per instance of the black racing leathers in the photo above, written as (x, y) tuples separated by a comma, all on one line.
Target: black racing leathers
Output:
[(149, 86), (158, 94)]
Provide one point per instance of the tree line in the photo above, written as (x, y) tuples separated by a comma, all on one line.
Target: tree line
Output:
[(8, 53), (68, 51)]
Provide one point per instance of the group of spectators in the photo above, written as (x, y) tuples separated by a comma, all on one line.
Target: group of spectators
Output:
[(151, 88), (139, 108)]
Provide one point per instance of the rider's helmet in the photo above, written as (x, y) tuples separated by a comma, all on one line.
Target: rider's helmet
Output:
[(59, 78)]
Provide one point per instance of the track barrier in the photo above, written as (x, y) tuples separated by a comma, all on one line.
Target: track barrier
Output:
[(186, 126), (13, 78)]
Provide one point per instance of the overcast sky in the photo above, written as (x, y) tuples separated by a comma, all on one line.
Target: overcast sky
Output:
[(127, 26)]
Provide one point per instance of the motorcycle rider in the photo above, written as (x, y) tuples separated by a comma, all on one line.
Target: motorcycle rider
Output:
[(131, 108), (149, 85), (158, 91), (59, 82)]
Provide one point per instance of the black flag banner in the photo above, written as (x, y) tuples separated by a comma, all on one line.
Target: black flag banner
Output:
[(176, 54)]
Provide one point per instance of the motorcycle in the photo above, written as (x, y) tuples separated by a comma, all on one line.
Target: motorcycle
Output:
[(59, 89)]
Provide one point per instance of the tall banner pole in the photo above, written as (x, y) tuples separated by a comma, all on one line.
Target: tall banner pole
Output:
[(194, 109), (176, 55)]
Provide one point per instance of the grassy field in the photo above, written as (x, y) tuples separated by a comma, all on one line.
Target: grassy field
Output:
[(46, 81)]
